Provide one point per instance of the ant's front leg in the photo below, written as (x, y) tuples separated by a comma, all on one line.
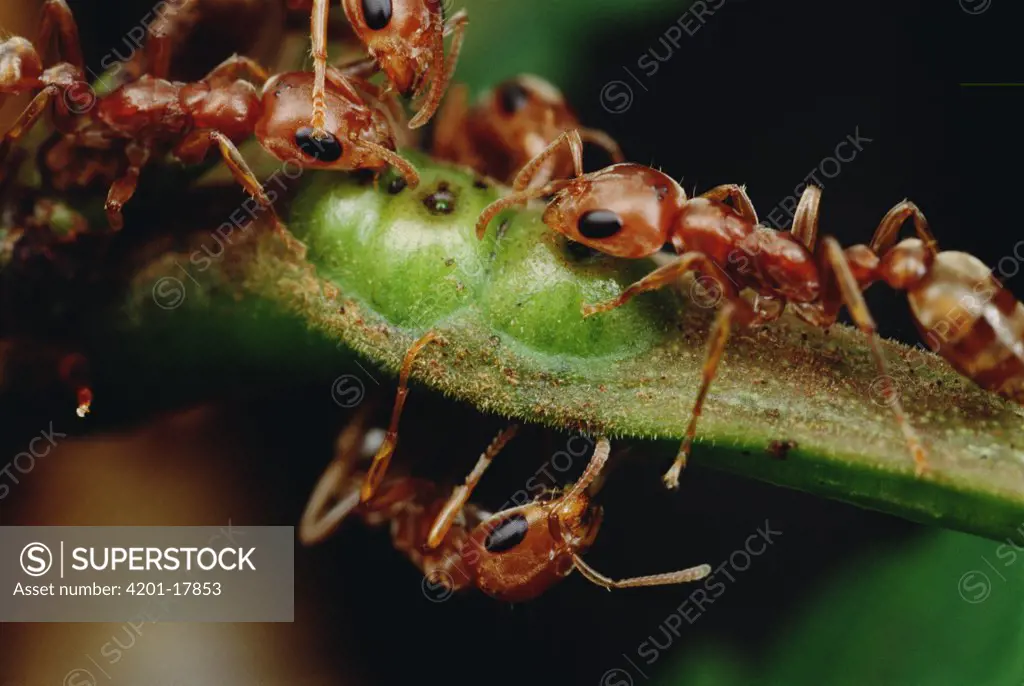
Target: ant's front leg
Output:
[(238, 167), (665, 275), (460, 495), (442, 68)]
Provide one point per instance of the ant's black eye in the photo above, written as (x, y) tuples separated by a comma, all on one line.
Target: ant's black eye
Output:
[(507, 535), (513, 97), (326, 149), (377, 13), (598, 224)]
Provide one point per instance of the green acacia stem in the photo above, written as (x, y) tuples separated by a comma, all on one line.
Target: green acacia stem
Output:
[(792, 405)]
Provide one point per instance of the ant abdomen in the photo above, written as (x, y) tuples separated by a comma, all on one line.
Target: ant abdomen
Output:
[(968, 317)]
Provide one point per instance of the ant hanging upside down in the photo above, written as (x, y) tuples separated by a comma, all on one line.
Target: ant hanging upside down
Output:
[(152, 116), (513, 555), (631, 211)]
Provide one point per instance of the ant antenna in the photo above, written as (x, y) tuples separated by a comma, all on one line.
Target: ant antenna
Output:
[(682, 576)]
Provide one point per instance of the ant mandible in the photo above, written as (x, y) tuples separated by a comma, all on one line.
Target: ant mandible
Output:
[(513, 555), (628, 210), (222, 109), (405, 39), (510, 126)]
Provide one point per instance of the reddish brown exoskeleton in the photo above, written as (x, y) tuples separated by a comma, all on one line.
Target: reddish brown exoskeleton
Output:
[(513, 555), (405, 39), (152, 116), (631, 211), (509, 127)]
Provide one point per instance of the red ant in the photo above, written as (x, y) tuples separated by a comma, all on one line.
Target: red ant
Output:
[(405, 39), (509, 127), (513, 555), (222, 109), (628, 210)]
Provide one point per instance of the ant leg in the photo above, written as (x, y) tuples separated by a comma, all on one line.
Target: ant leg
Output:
[(733, 310), (460, 495), (681, 577), (375, 475), (123, 188), (605, 142), (888, 229), (526, 175), (805, 219), (736, 193), (835, 260), (665, 275), (450, 121), (235, 67), (408, 172), (318, 522), (244, 175), (442, 69), (156, 56), (26, 120), (513, 199), (57, 14), (318, 37)]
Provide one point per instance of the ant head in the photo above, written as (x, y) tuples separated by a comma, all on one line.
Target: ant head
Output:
[(284, 126), (524, 107), (625, 210), (401, 35), (519, 553)]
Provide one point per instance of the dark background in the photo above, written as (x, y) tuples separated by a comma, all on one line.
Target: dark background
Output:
[(759, 95)]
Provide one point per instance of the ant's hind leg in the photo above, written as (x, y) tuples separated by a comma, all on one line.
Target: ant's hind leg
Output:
[(460, 495), (835, 261), (379, 467), (888, 229), (736, 193), (805, 218)]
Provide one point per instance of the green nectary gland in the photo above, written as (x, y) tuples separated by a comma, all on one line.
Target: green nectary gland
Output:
[(411, 256)]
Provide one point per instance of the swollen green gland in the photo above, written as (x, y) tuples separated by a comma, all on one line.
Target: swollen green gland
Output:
[(412, 257)]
